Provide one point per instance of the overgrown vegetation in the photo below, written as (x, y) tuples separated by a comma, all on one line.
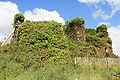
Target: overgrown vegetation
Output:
[(74, 28), (18, 19), (50, 47), (12, 70)]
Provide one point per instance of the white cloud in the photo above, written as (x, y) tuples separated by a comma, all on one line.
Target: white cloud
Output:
[(43, 15), (106, 23), (89, 1), (101, 13), (114, 33), (9, 9), (7, 12)]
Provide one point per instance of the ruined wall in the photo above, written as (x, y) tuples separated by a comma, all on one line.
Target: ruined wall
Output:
[(80, 33), (97, 40), (75, 29)]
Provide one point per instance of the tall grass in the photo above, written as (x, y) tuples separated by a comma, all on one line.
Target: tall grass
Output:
[(69, 72), (12, 68)]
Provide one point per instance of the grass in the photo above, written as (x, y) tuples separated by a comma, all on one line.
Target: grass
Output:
[(60, 72), (68, 72), (14, 66)]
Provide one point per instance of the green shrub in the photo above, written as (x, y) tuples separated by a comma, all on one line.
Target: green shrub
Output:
[(108, 40), (19, 18), (76, 22), (101, 28)]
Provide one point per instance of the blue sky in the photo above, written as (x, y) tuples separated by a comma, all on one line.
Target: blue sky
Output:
[(94, 12), (68, 9)]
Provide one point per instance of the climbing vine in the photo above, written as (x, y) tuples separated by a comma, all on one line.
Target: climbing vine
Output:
[(72, 26)]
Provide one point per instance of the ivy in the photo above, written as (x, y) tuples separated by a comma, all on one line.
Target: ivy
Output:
[(49, 41), (19, 18), (72, 26)]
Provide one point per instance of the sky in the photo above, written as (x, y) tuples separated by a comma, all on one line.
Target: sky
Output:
[(94, 12)]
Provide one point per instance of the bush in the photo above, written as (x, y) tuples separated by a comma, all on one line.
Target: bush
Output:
[(101, 28), (19, 18), (102, 31), (100, 35), (108, 40), (76, 22)]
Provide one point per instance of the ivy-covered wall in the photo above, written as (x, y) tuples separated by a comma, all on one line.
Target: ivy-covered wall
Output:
[(97, 38), (45, 38), (50, 41), (100, 39), (75, 29)]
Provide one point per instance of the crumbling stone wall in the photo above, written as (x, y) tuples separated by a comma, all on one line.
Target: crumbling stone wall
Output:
[(75, 29)]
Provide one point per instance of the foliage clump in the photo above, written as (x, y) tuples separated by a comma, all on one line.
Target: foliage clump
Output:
[(75, 29), (76, 22), (100, 39), (102, 31), (18, 19), (99, 36), (48, 41), (45, 38), (39, 43)]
